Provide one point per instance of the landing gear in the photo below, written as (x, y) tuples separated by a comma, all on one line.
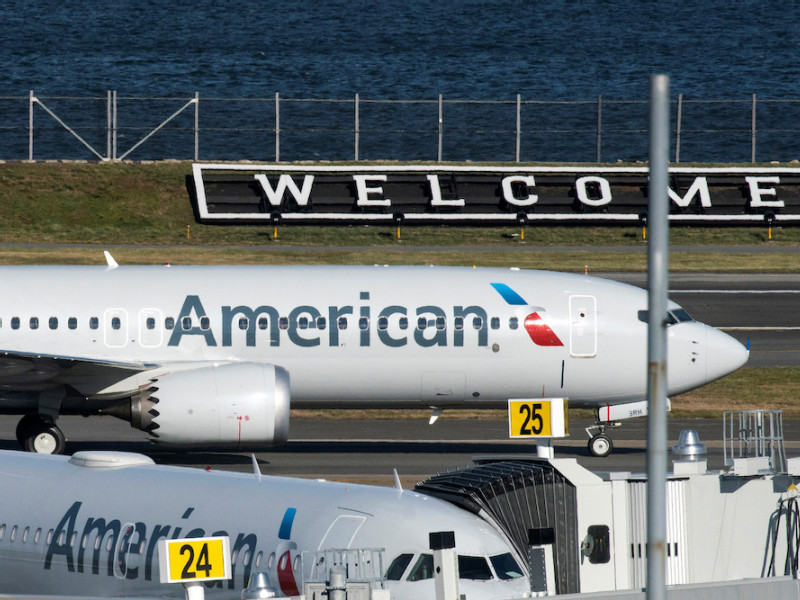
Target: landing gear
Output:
[(39, 433), (600, 444)]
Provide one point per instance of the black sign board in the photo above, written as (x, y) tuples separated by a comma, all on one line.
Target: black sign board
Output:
[(419, 194)]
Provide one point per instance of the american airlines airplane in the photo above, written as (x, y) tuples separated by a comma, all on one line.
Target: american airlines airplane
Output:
[(98, 532), (216, 355)]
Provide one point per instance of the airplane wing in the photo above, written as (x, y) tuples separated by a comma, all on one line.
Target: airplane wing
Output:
[(35, 372)]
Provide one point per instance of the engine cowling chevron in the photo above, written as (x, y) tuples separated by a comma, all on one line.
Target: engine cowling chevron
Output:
[(235, 405)]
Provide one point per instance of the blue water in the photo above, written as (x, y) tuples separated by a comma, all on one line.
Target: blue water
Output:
[(480, 50)]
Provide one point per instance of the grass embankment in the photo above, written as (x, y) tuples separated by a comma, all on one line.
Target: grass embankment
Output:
[(147, 207)]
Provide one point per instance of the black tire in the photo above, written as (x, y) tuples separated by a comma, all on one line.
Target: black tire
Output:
[(25, 426), (47, 438), (600, 446)]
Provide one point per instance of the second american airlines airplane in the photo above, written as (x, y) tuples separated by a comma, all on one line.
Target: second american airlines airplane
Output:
[(216, 355)]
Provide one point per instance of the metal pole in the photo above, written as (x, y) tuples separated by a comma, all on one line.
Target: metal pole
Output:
[(31, 99), (678, 130), (753, 131), (108, 125), (277, 127), (357, 127), (519, 125), (599, 125), (439, 155), (114, 125), (658, 282), (196, 126)]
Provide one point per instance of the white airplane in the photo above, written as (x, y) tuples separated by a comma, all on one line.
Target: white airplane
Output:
[(98, 531), (215, 355)]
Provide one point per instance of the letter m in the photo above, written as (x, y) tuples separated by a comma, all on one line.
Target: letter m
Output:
[(275, 195), (700, 185)]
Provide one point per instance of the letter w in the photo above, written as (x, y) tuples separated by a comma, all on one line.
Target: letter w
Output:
[(275, 196)]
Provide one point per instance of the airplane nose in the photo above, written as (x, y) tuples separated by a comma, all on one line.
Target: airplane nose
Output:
[(724, 354)]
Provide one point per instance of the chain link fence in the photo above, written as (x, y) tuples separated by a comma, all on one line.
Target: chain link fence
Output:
[(276, 128)]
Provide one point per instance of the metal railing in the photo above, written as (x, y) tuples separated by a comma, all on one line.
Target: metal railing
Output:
[(114, 127)]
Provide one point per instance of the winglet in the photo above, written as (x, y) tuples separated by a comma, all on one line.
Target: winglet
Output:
[(112, 264), (256, 468), (437, 412), (397, 485)]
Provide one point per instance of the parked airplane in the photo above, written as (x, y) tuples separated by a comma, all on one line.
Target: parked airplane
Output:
[(214, 355), (98, 532)]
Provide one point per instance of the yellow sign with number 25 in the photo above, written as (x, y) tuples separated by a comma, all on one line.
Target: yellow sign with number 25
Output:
[(544, 417)]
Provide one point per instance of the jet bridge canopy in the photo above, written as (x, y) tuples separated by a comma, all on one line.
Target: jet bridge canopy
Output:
[(528, 500)]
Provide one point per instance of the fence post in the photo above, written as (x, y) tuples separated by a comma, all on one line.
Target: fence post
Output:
[(753, 132), (599, 127), (196, 126), (108, 124), (277, 127), (356, 126), (114, 125), (519, 124), (31, 100), (678, 129), (439, 155)]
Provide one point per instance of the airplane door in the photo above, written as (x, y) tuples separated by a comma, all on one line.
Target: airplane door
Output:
[(115, 326), (151, 328), (342, 531), (583, 326)]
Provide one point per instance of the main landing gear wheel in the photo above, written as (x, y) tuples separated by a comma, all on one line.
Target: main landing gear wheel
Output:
[(600, 446), (39, 435)]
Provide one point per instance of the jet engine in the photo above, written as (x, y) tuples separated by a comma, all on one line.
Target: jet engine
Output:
[(233, 405)]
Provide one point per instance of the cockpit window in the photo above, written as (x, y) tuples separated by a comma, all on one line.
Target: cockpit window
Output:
[(398, 567), (505, 566), (422, 569), (674, 317), (473, 567)]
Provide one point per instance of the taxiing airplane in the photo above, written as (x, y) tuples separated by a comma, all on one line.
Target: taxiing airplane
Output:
[(98, 532), (216, 355)]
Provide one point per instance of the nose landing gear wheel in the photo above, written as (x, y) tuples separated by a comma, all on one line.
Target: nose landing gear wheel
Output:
[(600, 446)]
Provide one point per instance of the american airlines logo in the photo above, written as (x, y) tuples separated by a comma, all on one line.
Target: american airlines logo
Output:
[(485, 195), (394, 326)]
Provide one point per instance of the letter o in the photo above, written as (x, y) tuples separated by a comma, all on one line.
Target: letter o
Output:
[(583, 196)]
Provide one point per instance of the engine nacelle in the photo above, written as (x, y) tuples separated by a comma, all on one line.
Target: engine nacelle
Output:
[(233, 405)]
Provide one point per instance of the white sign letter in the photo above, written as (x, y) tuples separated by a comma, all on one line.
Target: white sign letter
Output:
[(700, 184), (275, 197), (583, 196), (364, 191), (508, 194), (757, 192), (436, 194)]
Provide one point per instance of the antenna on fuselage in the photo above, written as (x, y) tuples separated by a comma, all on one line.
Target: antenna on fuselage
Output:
[(112, 264)]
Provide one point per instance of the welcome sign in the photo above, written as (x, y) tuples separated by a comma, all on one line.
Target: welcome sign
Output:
[(485, 195)]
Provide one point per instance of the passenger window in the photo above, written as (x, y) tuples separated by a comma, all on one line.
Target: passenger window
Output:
[(440, 323), (244, 323), (186, 323), (398, 567), (321, 323), (94, 323), (259, 557), (37, 536), (116, 323), (169, 323), (25, 533), (205, 323), (53, 322), (13, 535), (302, 322), (2, 531), (283, 322), (513, 323), (477, 323), (473, 567), (495, 323), (423, 568), (34, 322), (150, 323), (14, 322), (342, 323), (263, 323), (363, 323), (403, 322), (72, 323), (383, 323), (422, 323)]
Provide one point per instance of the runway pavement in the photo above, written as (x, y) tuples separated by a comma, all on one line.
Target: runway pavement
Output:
[(367, 451)]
